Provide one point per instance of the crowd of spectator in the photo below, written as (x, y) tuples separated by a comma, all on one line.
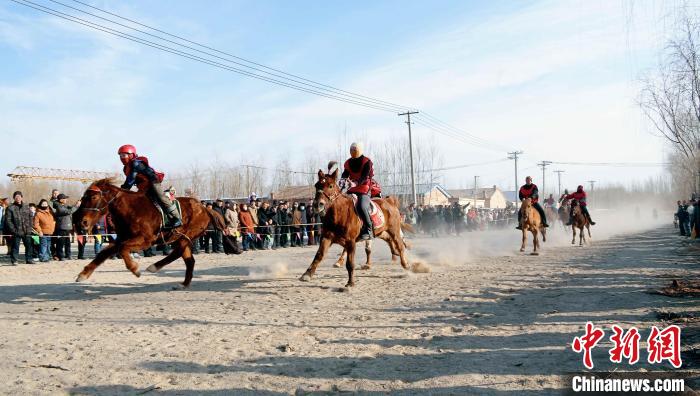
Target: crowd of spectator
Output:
[(455, 218), (46, 229), (687, 218)]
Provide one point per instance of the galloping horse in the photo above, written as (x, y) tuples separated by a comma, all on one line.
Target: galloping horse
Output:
[(530, 220), (341, 225), (137, 223), (579, 221)]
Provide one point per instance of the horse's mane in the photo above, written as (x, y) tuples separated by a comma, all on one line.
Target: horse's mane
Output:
[(107, 183)]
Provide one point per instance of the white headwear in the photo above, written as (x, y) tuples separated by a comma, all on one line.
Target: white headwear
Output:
[(357, 147)]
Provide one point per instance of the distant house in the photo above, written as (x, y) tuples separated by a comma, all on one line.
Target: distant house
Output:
[(489, 197), (294, 193), (512, 196), (426, 194)]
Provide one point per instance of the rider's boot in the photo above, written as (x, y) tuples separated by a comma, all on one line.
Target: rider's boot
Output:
[(174, 219), (519, 226), (366, 233), (571, 219), (589, 219)]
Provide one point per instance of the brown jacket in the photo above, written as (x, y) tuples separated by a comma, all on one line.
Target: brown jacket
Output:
[(246, 220), (44, 223)]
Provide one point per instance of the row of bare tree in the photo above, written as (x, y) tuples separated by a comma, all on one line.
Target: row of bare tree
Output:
[(670, 98), (391, 155)]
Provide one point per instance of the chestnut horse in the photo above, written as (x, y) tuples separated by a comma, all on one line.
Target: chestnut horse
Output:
[(579, 221), (341, 224), (530, 220), (137, 223)]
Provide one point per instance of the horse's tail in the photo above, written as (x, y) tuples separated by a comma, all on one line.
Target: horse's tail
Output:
[(217, 219), (405, 227)]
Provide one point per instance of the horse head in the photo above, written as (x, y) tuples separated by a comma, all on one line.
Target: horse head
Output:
[(327, 190), (94, 203)]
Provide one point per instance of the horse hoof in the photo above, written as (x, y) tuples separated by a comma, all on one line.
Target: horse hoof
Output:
[(152, 268), (181, 286), (365, 267), (305, 278), (81, 278), (337, 265), (350, 284), (137, 273), (535, 254), (522, 250)]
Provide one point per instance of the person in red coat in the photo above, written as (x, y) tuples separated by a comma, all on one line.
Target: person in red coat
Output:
[(579, 196), (359, 170), (529, 190)]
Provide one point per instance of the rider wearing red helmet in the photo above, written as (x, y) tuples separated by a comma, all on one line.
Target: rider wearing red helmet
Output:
[(359, 170), (139, 173), (579, 196)]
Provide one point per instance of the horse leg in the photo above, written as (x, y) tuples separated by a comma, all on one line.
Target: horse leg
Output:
[(189, 265), (581, 236), (368, 253), (350, 264), (103, 255), (174, 255), (125, 250), (322, 249), (522, 246), (588, 227), (341, 260), (573, 238), (535, 241), (399, 246)]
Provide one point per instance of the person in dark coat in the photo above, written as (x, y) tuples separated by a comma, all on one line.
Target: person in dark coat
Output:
[(19, 223), (64, 225)]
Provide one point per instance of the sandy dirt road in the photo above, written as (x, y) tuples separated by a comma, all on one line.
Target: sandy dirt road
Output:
[(486, 319)]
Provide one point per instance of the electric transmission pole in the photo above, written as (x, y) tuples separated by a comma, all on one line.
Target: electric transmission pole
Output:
[(514, 156), (544, 165), (410, 151), (592, 183), (559, 172), (474, 194)]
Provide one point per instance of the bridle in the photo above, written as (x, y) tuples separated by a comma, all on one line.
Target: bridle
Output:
[(102, 198)]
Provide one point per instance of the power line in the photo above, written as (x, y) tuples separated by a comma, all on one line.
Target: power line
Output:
[(184, 54), (614, 164), (330, 87), (270, 75)]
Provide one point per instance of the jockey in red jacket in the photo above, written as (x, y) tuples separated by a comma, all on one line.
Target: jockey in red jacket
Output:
[(529, 190), (145, 178), (360, 171), (579, 196)]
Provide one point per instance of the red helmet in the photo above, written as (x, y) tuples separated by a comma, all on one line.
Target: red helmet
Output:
[(126, 149)]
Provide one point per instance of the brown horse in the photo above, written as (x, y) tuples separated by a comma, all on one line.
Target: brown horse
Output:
[(137, 223), (579, 221), (530, 220), (341, 225)]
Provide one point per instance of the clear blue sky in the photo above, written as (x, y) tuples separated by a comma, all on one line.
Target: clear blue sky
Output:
[(556, 79)]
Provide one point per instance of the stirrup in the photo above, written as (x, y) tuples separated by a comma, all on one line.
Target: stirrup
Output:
[(518, 227)]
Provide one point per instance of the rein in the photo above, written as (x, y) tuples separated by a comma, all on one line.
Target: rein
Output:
[(102, 197)]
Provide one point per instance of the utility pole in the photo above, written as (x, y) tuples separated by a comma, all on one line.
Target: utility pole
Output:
[(410, 151), (544, 165), (474, 191), (559, 172), (514, 156)]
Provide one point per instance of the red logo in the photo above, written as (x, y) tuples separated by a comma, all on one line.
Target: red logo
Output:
[(587, 342), (661, 345), (665, 345)]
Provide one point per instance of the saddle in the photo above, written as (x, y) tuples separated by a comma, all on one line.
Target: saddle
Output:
[(163, 216), (375, 212)]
